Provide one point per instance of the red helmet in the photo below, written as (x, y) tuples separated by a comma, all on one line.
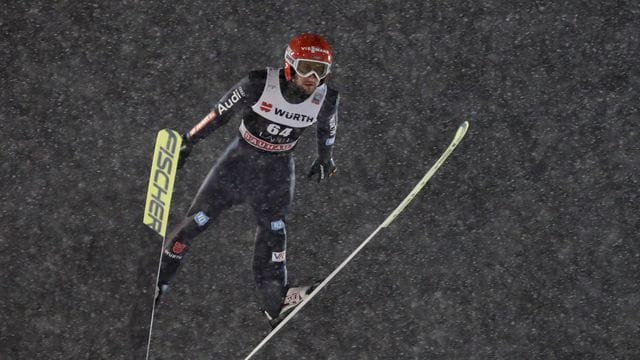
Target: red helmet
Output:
[(308, 54)]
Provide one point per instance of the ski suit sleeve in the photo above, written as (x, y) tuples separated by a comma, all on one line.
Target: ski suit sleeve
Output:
[(327, 126), (237, 98)]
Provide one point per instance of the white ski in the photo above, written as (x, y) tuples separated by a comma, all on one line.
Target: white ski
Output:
[(462, 130)]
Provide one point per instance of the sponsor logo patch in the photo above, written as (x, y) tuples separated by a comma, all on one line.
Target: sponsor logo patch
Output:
[(294, 116), (279, 256), (316, 98), (292, 298), (265, 106), (314, 49), (236, 95), (333, 124), (261, 144), (178, 247), (330, 141), (201, 218), (277, 225), (172, 255)]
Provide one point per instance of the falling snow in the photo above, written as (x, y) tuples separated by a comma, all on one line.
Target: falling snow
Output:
[(523, 246)]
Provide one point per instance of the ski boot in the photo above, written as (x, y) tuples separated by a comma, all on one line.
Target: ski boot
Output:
[(293, 298), (161, 289)]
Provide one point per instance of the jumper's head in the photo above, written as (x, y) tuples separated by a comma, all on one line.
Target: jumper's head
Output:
[(308, 55)]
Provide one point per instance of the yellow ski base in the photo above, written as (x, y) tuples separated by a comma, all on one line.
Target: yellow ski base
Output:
[(161, 180)]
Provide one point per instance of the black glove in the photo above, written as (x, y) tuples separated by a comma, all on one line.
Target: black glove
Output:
[(185, 150), (324, 169)]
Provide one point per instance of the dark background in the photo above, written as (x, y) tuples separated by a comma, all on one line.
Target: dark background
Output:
[(523, 246)]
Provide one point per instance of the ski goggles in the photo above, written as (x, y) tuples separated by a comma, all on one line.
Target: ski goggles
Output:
[(306, 68)]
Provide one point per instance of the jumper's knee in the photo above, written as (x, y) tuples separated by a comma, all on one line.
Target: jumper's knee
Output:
[(178, 242)]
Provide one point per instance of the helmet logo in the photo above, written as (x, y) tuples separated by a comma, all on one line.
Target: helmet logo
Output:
[(315, 49)]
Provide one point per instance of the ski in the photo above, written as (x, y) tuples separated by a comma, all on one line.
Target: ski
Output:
[(159, 191), (462, 130)]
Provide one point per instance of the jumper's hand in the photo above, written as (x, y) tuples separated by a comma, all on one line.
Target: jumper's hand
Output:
[(185, 150), (323, 168)]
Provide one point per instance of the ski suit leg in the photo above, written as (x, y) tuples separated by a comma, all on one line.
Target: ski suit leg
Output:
[(218, 192), (270, 202)]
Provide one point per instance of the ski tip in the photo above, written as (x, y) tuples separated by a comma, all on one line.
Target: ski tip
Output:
[(462, 130)]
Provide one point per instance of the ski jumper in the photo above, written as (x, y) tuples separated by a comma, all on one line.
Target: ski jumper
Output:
[(257, 168)]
